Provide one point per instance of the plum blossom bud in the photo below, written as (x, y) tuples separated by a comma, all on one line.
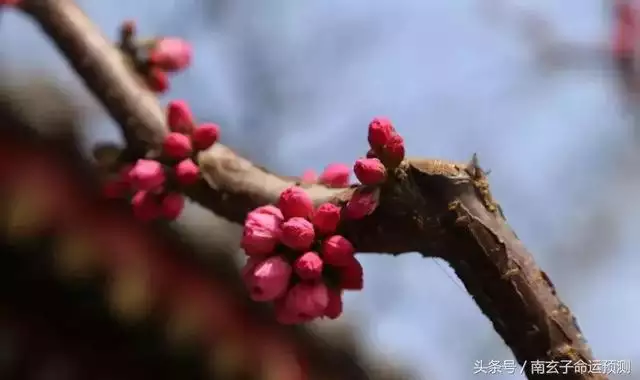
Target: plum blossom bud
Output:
[(147, 175), (326, 218), (393, 151), (176, 145), (334, 307), (308, 266), (145, 206), (337, 250), (205, 135), (269, 279), (362, 203), (247, 270), (270, 210), (171, 54), (309, 176), (380, 131), (261, 232), (351, 275), (172, 205), (297, 233), (335, 175), (179, 117), (370, 171), (295, 202), (157, 80), (308, 300), (187, 172)]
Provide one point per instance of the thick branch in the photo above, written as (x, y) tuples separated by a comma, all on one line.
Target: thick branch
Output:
[(438, 208)]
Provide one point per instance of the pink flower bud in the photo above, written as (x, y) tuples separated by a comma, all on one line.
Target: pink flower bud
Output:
[(380, 131), (393, 151), (157, 80), (187, 172), (172, 205), (337, 250), (269, 279), (261, 232), (334, 307), (294, 201), (177, 146), (362, 203), (309, 176), (297, 233), (370, 171), (351, 275), (308, 301), (335, 175), (326, 218), (179, 117), (308, 266), (145, 206), (171, 54), (205, 135), (147, 175)]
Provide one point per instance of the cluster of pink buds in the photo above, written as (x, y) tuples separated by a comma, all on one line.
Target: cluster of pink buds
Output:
[(156, 184), (155, 59), (297, 260), (334, 176)]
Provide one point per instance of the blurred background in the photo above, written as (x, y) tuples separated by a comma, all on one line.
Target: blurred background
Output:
[(539, 89)]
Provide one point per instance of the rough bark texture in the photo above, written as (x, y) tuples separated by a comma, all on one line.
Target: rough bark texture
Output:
[(439, 208)]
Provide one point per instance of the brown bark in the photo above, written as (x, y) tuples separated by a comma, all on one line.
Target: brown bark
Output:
[(438, 208)]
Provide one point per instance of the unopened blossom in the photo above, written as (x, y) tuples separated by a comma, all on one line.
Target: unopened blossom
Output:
[(247, 270), (393, 151), (351, 275), (172, 205), (308, 266), (334, 306), (337, 250), (295, 202), (187, 172), (297, 233), (308, 300), (326, 218), (269, 279), (370, 171), (261, 232), (157, 80), (362, 203), (145, 206), (179, 117), (380, 131), (205, 135), (335, 175), (147, 175), (171, 54), (177, 145)]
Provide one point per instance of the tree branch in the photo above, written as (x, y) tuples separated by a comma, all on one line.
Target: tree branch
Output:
[(441, 209)]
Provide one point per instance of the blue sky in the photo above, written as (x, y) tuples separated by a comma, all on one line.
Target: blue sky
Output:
[(455, 81)]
